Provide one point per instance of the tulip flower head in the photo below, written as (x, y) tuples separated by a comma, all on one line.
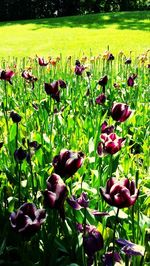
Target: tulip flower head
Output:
[(103, 81), (101, 99), (131, 79), (106, 129), (16, 118), (110, 259), (79, 203), (7, 75), (92, 242), (42, 62), (20, 154), (121, 194), (79, 68), (120, 112), (28, 219), (67, 162), (110, 144), (56, 193), (52, 89)]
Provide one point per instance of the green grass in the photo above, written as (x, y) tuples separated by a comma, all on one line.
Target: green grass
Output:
[(75, 35)]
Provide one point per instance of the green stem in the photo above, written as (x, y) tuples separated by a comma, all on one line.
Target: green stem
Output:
[(133, 227), (19, 180), (114, 234)]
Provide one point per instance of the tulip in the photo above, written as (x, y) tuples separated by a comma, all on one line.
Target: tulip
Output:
[(34, 144), (67, 162), (106, 129), (110, 57), (111, 259), (120, 112), (101, 99), (121, 194), (129, 248), (103, 81), (110, 144), (16, 118), (79, 70), (131, 79), (56, 193), (20, 154), (27, 75), (92, 242), (42, 62), (28, 219), (6, 75), (128, 61), (79, 203), (52, 90)]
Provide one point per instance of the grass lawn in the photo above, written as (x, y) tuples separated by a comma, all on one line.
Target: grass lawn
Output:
[(74, 35)]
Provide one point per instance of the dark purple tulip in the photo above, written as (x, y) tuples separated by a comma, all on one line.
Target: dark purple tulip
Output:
[(79, 203), (101, 99), (52, 90), (121, 194), (120, 112), (92, 241), (42, 62), (128, 61), (110, 144), (56, 192), (35, 145), (110, 57), (27, 75), (110, 259), (7, 75), (129, 248), (20, 154), (103, 81), (131, 79), (79, 70), (16, 118), (67, 162), (106, 129), (28, 219), (148, 66)]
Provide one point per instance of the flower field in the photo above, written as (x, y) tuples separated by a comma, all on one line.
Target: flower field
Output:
[(74, 158)]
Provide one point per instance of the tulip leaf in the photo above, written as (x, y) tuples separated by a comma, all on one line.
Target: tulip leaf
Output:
[(13, 130)]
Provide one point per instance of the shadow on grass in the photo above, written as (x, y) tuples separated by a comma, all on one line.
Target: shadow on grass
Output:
[(122, 20)]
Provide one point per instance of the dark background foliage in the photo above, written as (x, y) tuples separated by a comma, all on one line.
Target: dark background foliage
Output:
[(31, 9)]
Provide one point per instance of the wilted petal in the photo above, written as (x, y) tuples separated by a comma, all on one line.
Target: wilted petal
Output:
[(83, 200), (73, 203), (130, 248)]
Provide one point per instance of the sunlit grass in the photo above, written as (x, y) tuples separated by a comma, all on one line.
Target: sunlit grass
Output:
[(75, 35)]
